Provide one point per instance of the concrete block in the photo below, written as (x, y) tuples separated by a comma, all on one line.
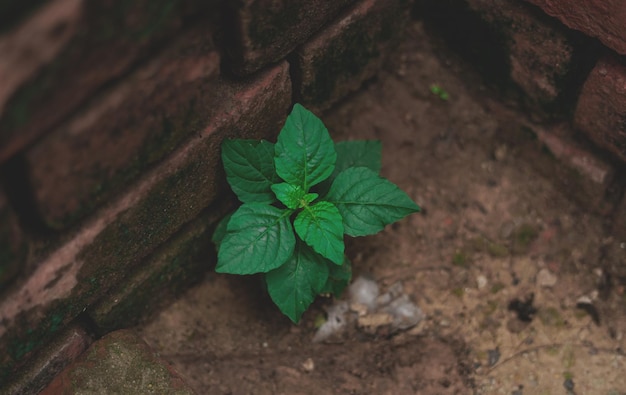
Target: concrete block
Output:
[(119, 363)]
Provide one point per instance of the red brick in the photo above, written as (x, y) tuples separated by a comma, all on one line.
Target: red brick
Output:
[(510, 41), (13, 244), (540, 53), (119, 363), (99, 254), (168, 272), (588, 165), (578, 173), (65, 51), (338, 59), (619, 225), (40, 369), (601, 108), (126, 130), (603, 19), (265, 31)]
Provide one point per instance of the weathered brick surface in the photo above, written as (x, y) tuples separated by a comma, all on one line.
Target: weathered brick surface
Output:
[(126, 130), (165, 274), (582, 174), (619, 224), (41, 369), (68, 49), (601, 109), (338, 59), (603, 19), (126, 230), (513, 43), (263, 32), (119, 363), (13, 244), (13, 12)]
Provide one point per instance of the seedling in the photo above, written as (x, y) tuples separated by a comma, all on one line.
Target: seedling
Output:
[(439, 91), (300, 197)]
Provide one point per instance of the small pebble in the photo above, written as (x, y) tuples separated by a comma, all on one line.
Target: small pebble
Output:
[(308, 365), (545, 278), (493, 356), (481, 281)]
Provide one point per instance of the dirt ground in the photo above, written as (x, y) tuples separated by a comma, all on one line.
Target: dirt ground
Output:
[(498, 261)]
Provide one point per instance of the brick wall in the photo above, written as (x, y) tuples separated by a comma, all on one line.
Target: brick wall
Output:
[(111, 118), (112, 114), (562, 62)]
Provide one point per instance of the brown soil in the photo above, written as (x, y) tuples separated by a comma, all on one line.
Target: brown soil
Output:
[(495, 229)]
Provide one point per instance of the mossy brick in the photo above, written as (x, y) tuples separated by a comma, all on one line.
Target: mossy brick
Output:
[(601, 109), (351, 50), (119, 363), (99, 254), (62, 350), (125, 130), (164, 275), (13, 242), (519, 48), (602, 19), (80, 47), (262, 32)]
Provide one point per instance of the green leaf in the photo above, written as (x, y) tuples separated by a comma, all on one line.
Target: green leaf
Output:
[(338, 278), (357, 153), (220, 230), (305, 153), (293, 196), (368, 202), (260, 238), (294, 285), (249, 166), (321, 227)]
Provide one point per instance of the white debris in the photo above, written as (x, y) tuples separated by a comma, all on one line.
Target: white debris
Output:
[(481, 281), (404, 312), (392, 310), (545, 278), (364, 291), (335, 323)]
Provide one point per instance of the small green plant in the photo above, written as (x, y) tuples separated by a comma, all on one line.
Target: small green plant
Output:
[(439, 91), (300, 196)]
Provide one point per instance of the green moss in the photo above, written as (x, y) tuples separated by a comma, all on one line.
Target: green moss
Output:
[(497, 250), (458, 292), (460, 259), (551, 316), (497, 287), (158, 144), (482, 244), (522, 237)]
